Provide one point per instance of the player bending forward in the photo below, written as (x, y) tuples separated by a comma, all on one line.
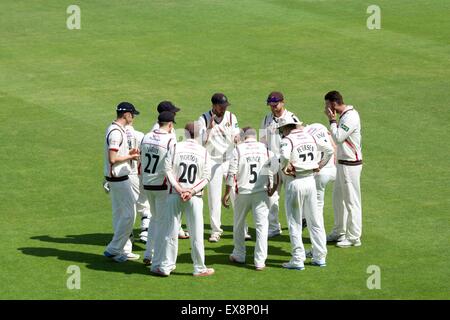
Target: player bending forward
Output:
[(250, 172), (188, 169), (300, 158)]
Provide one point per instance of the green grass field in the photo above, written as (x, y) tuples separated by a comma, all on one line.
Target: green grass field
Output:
[(59, 89)]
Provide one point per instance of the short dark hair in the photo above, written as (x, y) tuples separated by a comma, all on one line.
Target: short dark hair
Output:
[(334, 96), (120, 114)]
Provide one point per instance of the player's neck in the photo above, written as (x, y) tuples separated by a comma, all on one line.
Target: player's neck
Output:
[(121, 121), (278, 114)]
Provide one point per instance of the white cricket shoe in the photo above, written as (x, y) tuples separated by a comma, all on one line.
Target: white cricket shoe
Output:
[(207, 272), (132, 256), (290, 265), (348, 243), (274, 233), (215, 237), (332, 237), (183, 234), (319, 263)]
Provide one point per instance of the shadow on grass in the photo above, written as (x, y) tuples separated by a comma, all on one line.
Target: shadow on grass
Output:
[(99, 239), (92, 261)]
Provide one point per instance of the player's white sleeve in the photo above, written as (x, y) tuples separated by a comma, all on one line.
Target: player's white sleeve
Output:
[(273, 167), (115, 140), (262, 131), (327, 149), (206, 175), (233, 168), (286, 148), (168, 166), (203, 129), (235, 125), (345, 129)]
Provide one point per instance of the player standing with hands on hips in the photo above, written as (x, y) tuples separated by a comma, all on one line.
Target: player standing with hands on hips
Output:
[(300, 159), (346, 133), (219, 131), (117, 167)]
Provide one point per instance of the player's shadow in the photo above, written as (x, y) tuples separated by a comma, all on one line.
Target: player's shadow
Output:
[(96, 239), (92, 261)]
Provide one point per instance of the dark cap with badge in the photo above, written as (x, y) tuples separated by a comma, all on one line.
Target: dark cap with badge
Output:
[(275, 97), (166, 116), (126, 107), (220, 99), (167, 106)]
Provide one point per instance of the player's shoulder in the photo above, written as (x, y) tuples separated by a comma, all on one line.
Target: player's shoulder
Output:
[(290, 114), (315, 127)]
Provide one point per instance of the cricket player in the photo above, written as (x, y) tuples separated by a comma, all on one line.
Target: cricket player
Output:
[(300, 158), (117, 168), (251, 173), (219, 131), (142, 206), (169, 106), (154, 148), (270, 136), (346, 134), (188, 169)]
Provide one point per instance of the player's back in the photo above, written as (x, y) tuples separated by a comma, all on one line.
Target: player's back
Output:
[(304, 155), (154, 148), (253, 167), (320, 132), (189, 164)]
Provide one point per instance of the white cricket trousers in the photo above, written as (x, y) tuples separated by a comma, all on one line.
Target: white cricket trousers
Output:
[(347, 202), (123, 200), (158, 207), (301, 201), (258, 203), (274, 209), (142, 204), (218, 172), (325, 176), (193, 210)]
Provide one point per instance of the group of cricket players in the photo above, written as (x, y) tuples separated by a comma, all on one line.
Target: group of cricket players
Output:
[(163, 174)]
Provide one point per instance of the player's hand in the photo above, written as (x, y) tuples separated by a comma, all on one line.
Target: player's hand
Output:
[(317, 170), (331, 114), (187, 195), (271, 191), (226, 200), (134, 154), (289, 170), (213, 118)]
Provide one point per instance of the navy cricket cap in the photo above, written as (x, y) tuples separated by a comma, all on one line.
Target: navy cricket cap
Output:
[(274, 97), (166, 116), (167, 106), (126, 107), (220, 99)]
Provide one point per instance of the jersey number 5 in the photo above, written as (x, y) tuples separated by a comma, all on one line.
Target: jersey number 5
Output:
[(253, 173)]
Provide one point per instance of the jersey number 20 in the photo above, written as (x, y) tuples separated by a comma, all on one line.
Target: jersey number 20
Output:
[(191, 173)]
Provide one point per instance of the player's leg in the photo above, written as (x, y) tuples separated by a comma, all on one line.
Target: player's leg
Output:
[(214, 201), (294, 205), (152, 228), (123, 202), (340, 213), (143, 211), (169, 224), (352, 200), (315, 222), (241, 206), (260, 210), (274, 209), (194, 220)]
